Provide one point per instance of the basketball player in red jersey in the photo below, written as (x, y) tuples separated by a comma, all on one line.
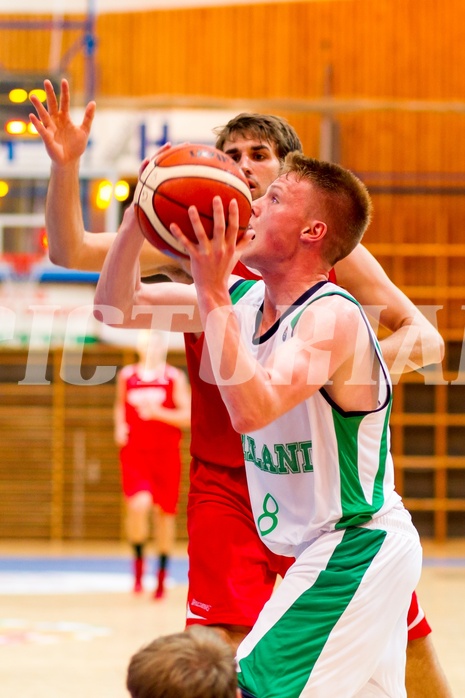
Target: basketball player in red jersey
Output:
[(231, 572), (152, 405)]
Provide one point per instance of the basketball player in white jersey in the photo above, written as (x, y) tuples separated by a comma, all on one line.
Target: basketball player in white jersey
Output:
[(304, 382)]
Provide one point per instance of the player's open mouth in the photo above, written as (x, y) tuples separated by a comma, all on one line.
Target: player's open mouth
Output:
[(250, 227)]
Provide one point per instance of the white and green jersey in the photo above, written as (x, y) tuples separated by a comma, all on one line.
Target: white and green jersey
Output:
[(316, 468)]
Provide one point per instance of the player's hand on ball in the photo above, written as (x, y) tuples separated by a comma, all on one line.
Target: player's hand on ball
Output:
[(213, 259), (146, 161)]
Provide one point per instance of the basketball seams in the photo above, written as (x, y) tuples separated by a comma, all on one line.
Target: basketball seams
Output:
[(147, 171), (160, 174), (185, 207), (160, 227)]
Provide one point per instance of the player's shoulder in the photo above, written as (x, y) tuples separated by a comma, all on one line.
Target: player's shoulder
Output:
[(127, 371), (339, 300), (239, 287), (333, 303), (173, 372)]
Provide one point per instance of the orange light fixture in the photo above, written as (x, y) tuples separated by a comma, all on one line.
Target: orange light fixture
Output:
[(15, 127), (104, 194)]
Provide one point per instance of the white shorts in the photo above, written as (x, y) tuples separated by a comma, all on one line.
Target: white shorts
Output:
[(336, 627)]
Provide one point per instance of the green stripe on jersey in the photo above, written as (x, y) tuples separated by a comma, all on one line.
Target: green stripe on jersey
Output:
[(281, 663), (355, 509), (378, 491), (241, 289)]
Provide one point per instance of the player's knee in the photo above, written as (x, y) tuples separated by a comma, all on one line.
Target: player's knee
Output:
[(141, 501)]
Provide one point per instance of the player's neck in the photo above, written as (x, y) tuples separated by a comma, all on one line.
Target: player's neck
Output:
[(148, 372), (283, 291)]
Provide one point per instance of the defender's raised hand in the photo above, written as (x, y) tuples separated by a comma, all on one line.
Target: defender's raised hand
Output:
[(64, 141)]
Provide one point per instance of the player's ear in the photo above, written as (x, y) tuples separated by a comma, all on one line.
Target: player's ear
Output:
[(316, 231)]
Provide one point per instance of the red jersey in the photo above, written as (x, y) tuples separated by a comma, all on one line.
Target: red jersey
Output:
[(213, 439), (150, 434)]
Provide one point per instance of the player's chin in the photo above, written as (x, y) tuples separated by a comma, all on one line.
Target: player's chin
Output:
[(247, 252), (249, 237)]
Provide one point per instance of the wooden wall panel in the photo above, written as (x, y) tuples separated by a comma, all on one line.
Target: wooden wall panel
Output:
[(24, 48), (383, 49), (59, 471)]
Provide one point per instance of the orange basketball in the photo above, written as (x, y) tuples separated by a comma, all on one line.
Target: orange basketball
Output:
[(183, 176)]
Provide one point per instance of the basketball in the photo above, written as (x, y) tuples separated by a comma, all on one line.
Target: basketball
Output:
[(183, 176)]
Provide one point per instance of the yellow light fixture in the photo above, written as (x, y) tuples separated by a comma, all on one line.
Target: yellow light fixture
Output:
[(121, 190), (104, 193), (15, 127), (32, 129), (4, 188), (39, 93), (18, 95)]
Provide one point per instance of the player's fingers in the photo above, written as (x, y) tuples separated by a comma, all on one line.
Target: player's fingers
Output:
[(88, 117), (219, 221), (38, 125), (180, 237), (40, 109), (64, 96), (233, 221), (143, 165), (162, 149), (197, 225), (52, 102)]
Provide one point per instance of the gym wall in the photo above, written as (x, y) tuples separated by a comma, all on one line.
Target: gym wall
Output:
[(385, 79)]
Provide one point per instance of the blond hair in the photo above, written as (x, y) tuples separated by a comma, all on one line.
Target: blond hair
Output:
[(345, 202), (196, 663)]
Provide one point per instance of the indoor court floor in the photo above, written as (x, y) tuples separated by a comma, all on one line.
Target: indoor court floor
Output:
[(69, 622)]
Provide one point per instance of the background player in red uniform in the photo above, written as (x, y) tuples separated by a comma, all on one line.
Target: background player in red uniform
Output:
[(231, 572), (152, 404)]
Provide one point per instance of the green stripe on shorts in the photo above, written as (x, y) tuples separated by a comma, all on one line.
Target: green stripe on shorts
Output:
[(281, 663)]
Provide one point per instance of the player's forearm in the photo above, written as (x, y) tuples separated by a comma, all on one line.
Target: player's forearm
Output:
[(63, 215), (241, 380), (414, 345), (120, 279), (177, 417), (152, 261), (70, 245), (414, 341)]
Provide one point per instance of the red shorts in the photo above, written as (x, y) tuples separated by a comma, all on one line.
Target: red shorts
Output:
[(231, 572), (155, 472), (418, 626)]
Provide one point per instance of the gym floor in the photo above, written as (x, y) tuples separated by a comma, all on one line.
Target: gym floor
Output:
[(69, 621)]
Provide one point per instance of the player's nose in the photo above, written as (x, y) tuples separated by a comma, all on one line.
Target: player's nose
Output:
[(245, 164)]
